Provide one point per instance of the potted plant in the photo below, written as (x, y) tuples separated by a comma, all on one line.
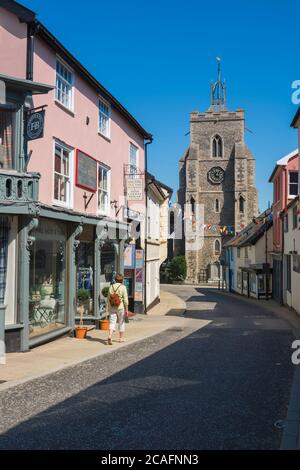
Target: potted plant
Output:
[(83, 297), (80, 330), (104, 322)]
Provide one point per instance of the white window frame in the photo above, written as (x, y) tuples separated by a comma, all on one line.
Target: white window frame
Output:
[(108, 169), (131, 144), (292, 196), (70, 150), (101, 100), (66, 66)]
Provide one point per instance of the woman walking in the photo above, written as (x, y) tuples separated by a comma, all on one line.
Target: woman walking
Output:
[(117, 301)]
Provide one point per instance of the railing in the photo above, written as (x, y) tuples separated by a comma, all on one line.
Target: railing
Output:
[(19, 187)]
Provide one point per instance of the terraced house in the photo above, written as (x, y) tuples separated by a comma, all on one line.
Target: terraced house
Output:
[(67, 151)]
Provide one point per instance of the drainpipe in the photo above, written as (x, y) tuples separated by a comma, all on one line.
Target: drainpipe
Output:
[(31, 31), (146, 221)]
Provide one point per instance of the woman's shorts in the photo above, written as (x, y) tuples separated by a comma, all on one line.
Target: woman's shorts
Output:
[(117, 318)]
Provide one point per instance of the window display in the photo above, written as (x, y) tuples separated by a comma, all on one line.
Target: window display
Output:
[(108, 268), (47, 298), (85, 277)]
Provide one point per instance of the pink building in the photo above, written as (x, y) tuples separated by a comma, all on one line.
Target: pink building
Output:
[(285, 188), (90, 155)]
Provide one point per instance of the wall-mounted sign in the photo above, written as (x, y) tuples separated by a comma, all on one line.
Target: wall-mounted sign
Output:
[(135, 189), (131, 214), (296, 263), (139, 259), (35, 125), (138, 285), (129, 257), (86, 171)]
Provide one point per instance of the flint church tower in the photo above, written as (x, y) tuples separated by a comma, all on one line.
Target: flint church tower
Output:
[(218, 171)]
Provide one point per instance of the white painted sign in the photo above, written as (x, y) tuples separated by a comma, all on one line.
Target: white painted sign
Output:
[(135, 189)]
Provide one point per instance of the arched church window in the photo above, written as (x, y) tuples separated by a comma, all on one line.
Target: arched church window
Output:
[(217, 247), (192, 202), (242, 205), (217, 147), (217, 205)]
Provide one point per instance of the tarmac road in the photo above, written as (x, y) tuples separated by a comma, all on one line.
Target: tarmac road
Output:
[(223, 386)]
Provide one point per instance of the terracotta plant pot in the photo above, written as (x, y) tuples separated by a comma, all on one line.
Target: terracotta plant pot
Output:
[(80, 332), (104, 324)]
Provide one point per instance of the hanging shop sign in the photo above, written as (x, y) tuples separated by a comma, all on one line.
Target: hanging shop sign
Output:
[(135, 189), (86, 171), (34, 128)]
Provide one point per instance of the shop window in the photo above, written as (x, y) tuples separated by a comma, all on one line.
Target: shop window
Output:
[(261, 283), (7, 120), (252, 281), (47, 278), (85, 277), (239, 280), (108, 264)]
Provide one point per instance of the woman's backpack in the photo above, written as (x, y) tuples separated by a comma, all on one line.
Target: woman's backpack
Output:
[(114, 298)]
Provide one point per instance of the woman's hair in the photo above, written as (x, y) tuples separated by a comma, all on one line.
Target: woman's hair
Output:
[(119, 278)]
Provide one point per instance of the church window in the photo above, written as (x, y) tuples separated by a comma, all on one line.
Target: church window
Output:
[(217, 147), (217, 205), (217, 247), (242, 205), (193, 205)]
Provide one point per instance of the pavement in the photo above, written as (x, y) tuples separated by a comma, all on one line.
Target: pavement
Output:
[(68, 351), (207, 371)]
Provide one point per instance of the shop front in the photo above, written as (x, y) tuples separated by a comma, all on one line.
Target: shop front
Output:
[(47, 279)]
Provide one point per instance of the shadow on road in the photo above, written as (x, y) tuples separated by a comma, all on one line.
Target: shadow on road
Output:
[(214, 388)]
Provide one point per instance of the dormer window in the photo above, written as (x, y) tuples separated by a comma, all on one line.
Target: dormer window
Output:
[(217, 147)]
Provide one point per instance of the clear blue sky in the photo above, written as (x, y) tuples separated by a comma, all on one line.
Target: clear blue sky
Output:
[(158, 57)]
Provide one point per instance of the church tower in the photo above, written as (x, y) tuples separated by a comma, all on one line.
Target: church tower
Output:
[(216, 171)]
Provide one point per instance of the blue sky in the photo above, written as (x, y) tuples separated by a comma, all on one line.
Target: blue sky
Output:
[(158, 58)]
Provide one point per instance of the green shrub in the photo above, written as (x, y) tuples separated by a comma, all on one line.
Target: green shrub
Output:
[(83, 294), (104, 291), (176, 269)]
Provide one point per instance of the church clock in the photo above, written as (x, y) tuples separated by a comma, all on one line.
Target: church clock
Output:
[(216, 175)]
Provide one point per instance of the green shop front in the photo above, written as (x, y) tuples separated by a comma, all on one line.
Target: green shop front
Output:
[(54, 263)]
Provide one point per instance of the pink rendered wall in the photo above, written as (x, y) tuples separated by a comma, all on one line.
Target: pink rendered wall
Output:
[(13, 40), (71, 129), (281, 203)]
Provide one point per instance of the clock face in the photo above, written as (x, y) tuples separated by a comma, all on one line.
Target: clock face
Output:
[(216, 175)]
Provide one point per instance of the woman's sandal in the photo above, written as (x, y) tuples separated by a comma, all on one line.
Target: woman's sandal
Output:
[(109, 341)]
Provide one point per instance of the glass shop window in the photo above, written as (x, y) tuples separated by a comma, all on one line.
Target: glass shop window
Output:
[(252, 281), (108, 269), (7, 125), (47, 279), (85, 277)]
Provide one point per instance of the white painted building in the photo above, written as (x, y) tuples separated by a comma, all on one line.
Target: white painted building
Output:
[(156, 249), (248, 259), (291, 258)]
